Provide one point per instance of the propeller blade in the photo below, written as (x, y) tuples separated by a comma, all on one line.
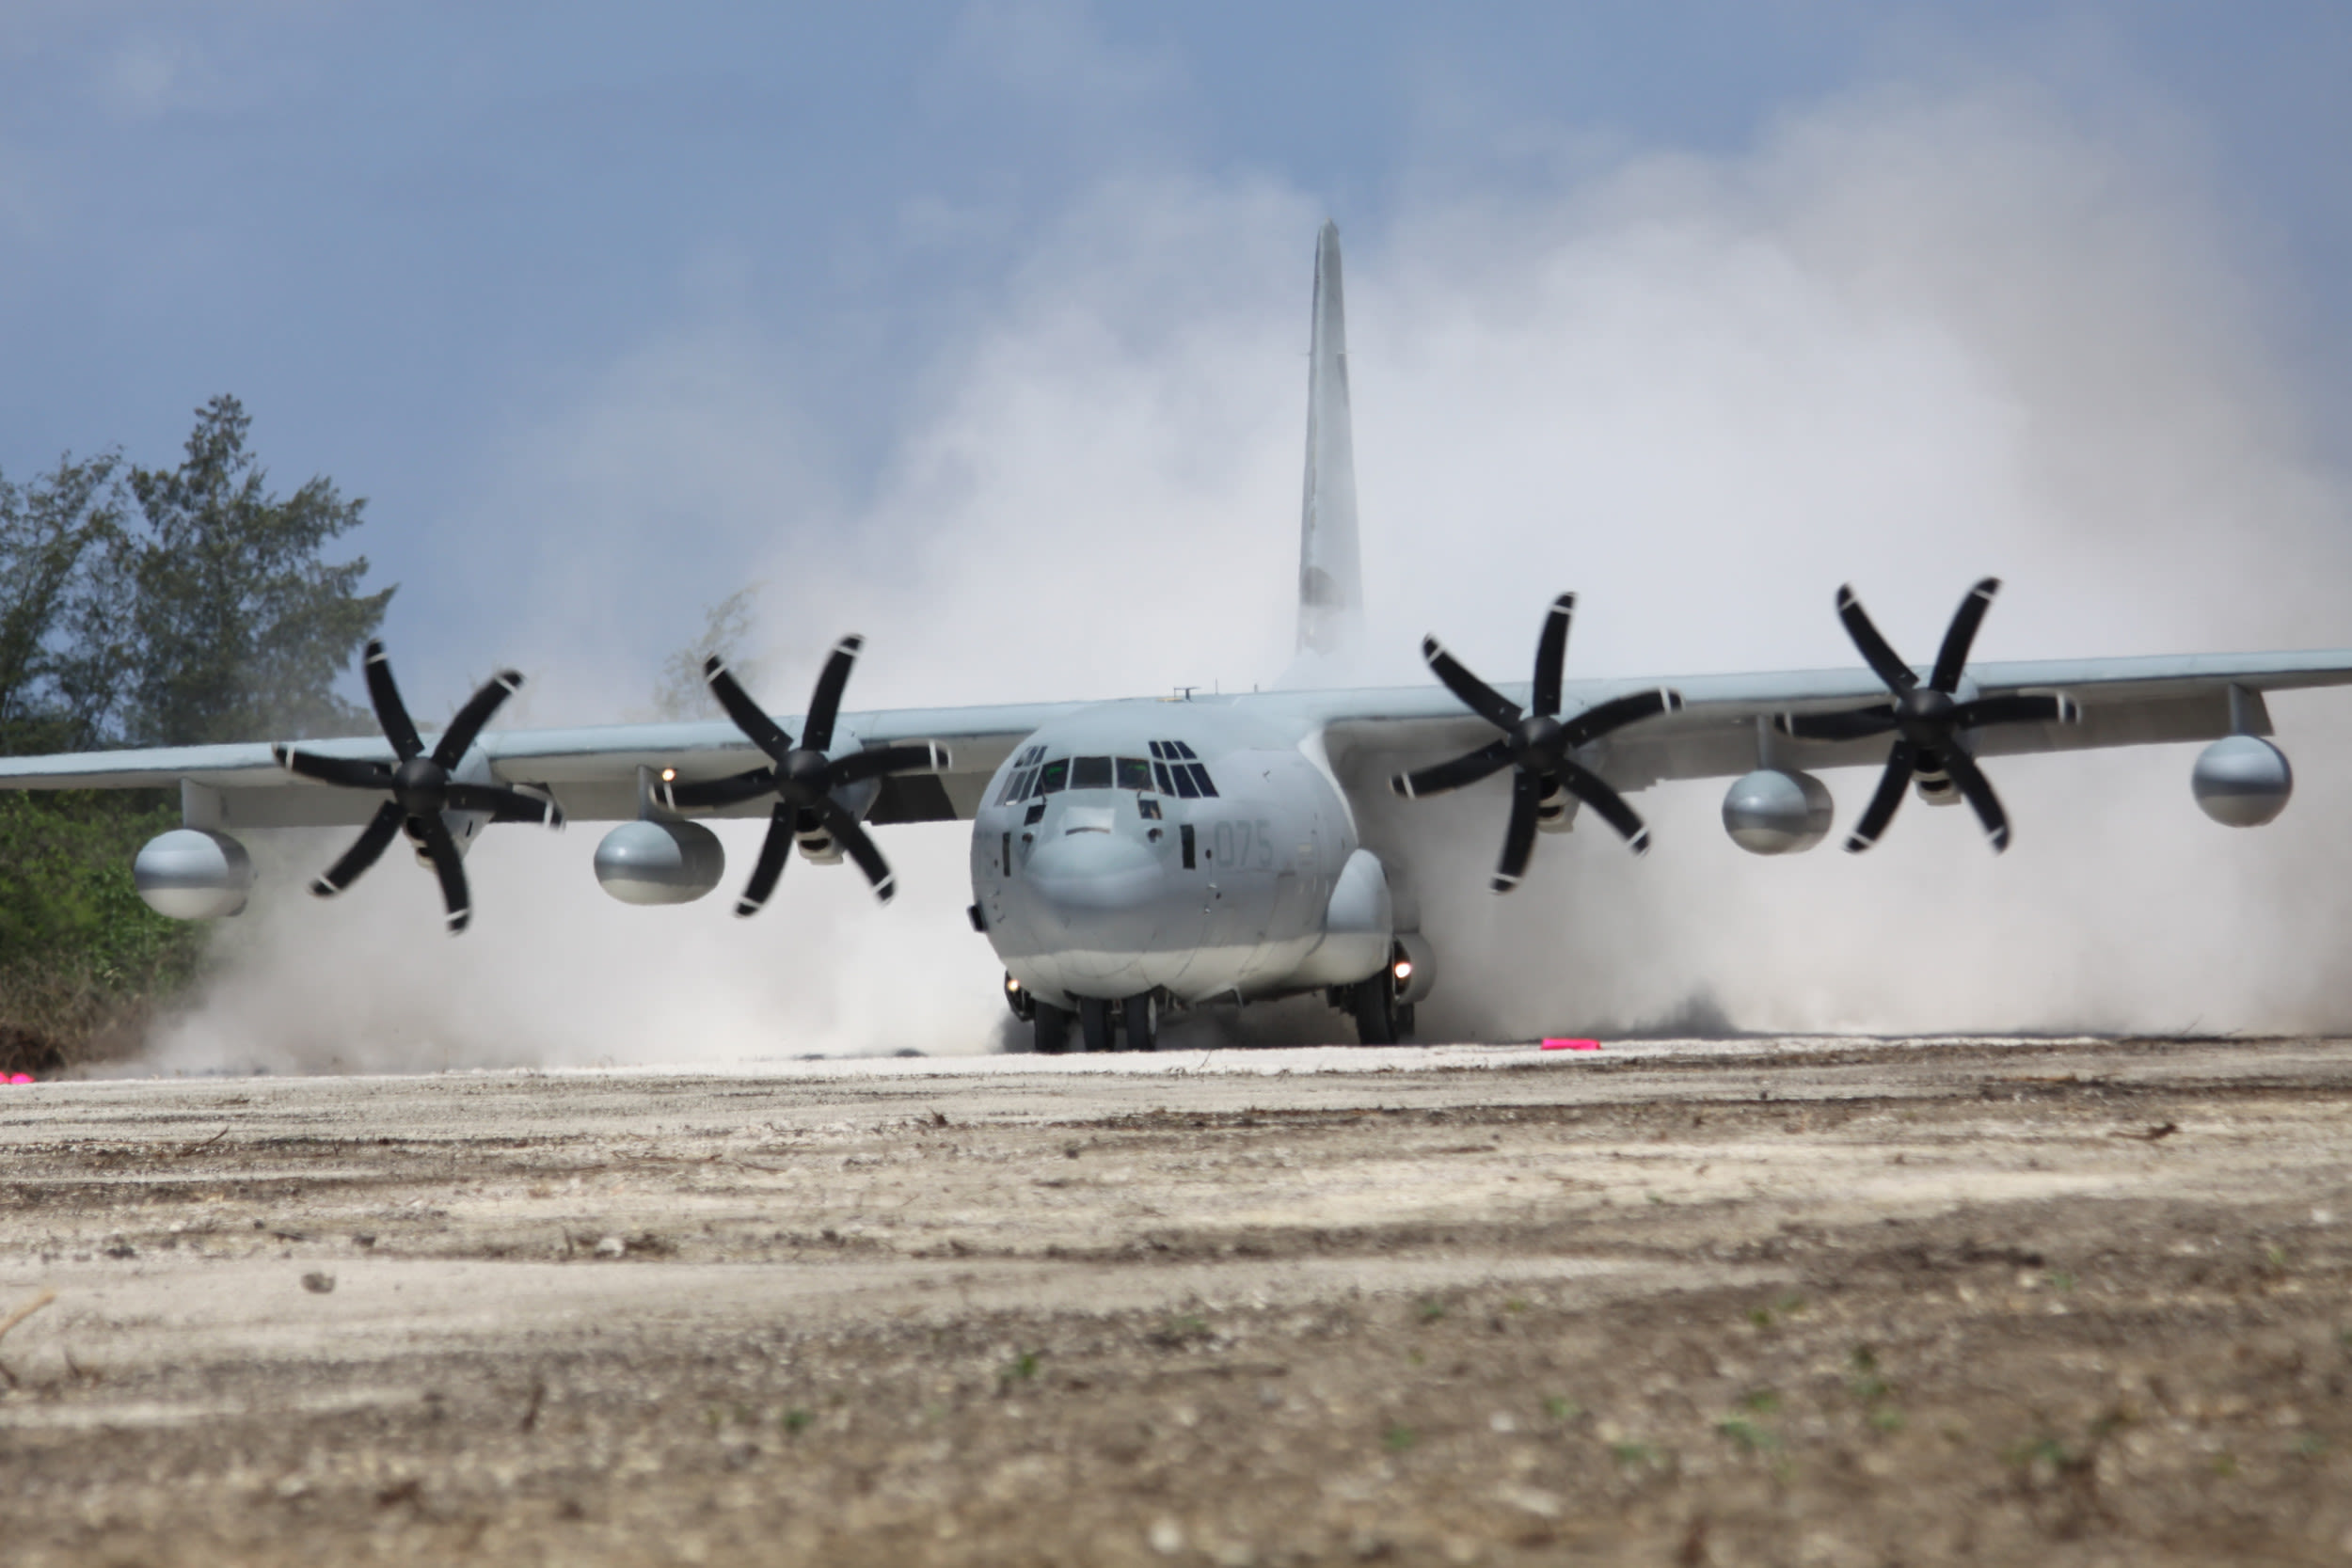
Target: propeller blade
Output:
[(1595, 791), (442, 851), (2039, 709), (1977, 789), (1855, 724), (1476, 695), (756, 726), (774, 850), (850, 836), (719, 792), (503, 804), (1874, 649), (877, 761), (1616, 713), (824, 704), (391, 712), (364, 851), (1961, 635), (350, 773), (1880, 811), (1467, 769), (462, 730), (1551, 654), (1518, 839)]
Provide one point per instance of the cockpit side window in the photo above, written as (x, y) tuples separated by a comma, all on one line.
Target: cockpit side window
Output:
[(1134, 774), (1089, 772), (1180, 771), (1021, 781), (1053, 777)]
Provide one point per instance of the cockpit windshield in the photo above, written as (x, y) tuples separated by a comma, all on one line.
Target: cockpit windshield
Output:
[(1173, 770)]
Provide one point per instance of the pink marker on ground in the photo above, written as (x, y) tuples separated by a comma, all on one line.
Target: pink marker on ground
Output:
[(1571, 1045)]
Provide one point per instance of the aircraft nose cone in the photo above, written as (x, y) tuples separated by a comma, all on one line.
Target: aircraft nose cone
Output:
[(1093, 873)]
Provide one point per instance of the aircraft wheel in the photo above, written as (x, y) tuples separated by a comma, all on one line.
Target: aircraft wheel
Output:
[(1052, 1029), (1094, 1022), (1140, 1017), (1404, 1029), (1375, 1010)]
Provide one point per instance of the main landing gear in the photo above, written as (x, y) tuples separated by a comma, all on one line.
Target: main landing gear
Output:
[(1131, 1023), (1380, 1017)]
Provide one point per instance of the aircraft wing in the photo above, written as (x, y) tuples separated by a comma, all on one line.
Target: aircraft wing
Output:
[(1720, 732), (592, 772)]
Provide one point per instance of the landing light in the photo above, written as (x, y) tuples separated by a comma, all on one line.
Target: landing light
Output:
[(1011, 983), (1404, 969), (669, 775)]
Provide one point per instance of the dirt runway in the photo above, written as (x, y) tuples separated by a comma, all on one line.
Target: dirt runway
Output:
[(1770, 1301)]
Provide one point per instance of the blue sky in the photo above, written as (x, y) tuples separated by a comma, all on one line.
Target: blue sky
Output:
[(407, 236)]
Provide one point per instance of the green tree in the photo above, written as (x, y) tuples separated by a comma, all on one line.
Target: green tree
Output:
[(52, 532), (230, 626)]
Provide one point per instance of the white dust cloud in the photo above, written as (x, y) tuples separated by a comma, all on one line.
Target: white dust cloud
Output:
[(1907, 339)]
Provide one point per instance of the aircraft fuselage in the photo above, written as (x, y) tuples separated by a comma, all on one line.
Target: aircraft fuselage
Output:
[(1164, 847)]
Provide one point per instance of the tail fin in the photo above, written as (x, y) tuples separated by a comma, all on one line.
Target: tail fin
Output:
[(1330, 581)]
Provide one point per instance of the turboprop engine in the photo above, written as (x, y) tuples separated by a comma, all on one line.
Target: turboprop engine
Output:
[(191, 874), (2242, 781), (1775, 811), (659, 861)]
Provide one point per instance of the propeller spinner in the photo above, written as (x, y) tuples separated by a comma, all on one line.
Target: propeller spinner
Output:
[(420, 788), (801, 776), (1927, 719), (1537, 744)]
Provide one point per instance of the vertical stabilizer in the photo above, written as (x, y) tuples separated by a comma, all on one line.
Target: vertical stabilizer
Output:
[(1331, 583)]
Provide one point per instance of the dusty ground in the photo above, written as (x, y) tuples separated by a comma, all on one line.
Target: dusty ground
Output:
[(1913, 1303)]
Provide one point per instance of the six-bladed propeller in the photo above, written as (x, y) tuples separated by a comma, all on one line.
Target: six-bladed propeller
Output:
[(801, 777), (1537, 744), (419, 785), (1927, 719)]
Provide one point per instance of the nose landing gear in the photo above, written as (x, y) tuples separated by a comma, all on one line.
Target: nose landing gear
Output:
[(1130, 1023), (1141, 1020)]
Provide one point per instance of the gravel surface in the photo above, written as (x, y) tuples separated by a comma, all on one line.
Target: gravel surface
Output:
[(1769, 1301)]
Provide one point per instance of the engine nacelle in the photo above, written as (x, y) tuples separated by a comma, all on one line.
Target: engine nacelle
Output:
[(2242, 781), (659, 861), (1774, 812), (1556, 812), (818, 845), (190, 874)]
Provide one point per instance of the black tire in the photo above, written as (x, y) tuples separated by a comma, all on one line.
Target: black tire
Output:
[(1141, 1021), (1375, 1010), (1405, 1022), (1052, 1029), (1094, 1022)]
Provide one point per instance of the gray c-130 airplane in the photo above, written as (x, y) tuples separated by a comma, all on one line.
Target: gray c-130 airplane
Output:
[(1129, 857)]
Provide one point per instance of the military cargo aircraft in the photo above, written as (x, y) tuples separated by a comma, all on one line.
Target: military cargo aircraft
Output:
[(1132, 856)]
